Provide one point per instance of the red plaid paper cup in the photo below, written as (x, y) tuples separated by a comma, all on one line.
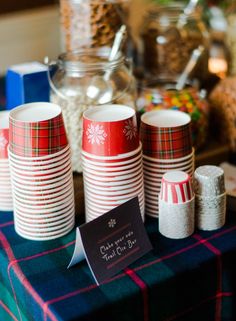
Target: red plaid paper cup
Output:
[(4, 134), (176, 187), (166, 134), (110, 130), (36, 129)]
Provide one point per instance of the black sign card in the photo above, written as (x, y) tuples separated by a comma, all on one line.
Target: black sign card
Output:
[(113, 241)]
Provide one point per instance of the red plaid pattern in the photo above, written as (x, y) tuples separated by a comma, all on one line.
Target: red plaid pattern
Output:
[(166, 143), (37, 139)]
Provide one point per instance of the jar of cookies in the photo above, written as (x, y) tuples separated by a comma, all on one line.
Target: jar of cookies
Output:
[(84, 78), (91, 23), (169, 37)]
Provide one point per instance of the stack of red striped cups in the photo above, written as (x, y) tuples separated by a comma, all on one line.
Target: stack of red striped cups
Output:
[(111, 159), (6, 203), (41, 173), (167, 145)]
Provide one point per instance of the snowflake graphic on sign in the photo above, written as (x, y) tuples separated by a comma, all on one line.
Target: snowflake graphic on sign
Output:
[(3, 142), (112, 223), (130, 130), (96, 134)]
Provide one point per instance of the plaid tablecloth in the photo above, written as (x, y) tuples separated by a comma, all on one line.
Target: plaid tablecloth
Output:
[(191, 279)]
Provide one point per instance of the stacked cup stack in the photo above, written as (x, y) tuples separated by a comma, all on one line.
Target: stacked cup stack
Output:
[(167, 145), (176, 205), (210, 197), (111, 159), (41, 174), (6, 203)]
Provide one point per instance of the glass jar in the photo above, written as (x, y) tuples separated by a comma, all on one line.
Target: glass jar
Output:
[(163, 94), (169, 37), (84, 78), (91, 23), (231, 38)]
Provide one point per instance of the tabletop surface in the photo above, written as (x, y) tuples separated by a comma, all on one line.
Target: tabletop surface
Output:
[(190, 279)]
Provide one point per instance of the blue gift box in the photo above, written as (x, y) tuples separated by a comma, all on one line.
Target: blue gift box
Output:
[(26, 83)]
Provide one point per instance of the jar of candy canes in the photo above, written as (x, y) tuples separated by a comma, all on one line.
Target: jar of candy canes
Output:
[(85, 78), (91, 23)]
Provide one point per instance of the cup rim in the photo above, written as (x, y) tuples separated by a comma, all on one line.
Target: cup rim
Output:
[(114, 183), (115, 178), (166, 166), (127, 196), (41, 187), (45, 236), (43, 228), (170, 160), (115, 188), (114, 193), (114, 173), (47, 106), (43, 206), (47, 211), (145, 118), (46, 158), (119, 156), (45, 216), (88, 114), (113, 169), (112, 164), (57, 163), (48, 238), (45, 202)]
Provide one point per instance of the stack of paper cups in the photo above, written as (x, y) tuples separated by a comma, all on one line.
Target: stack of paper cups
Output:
[(176, 205), (111, 159), (41, 173), (6, 203), (167, 145), (210, 197)]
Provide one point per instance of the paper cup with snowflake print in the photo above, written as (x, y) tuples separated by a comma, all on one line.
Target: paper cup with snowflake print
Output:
[(4, 134), (110, 130)]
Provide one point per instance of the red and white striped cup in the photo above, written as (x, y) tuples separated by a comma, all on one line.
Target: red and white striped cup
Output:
[(176, 187)]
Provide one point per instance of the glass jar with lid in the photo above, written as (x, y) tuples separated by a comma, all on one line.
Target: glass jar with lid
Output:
[(169, 37), (91, 23), (85, 78)]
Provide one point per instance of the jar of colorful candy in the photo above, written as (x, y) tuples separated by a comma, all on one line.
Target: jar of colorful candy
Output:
[(189, 100)]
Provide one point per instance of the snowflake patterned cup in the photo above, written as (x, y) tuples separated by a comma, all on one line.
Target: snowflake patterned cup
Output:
[(166, 134), (110, 130), (4, 134)]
